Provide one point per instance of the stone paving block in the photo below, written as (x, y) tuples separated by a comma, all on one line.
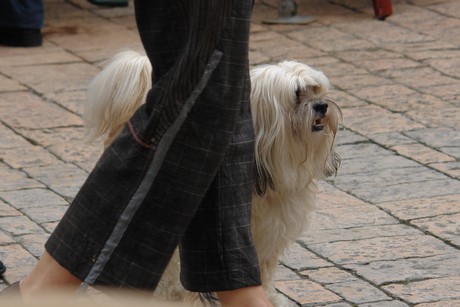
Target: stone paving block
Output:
[(449, 66), (362, 150), (352, 82), (447, 31), (345, 100), (376, 65), (381, 33), (298, 258), (19, 225), (53, 57), (375, 165), (29, 156), (385, 178), (348, 217), (6, 239), (55, 136), (49, 227), (54, 77), (422, 153), (332, 275), (321, 61), (390, 139), (424, 55), (284, 273), (393, 97), (332, 40), (449, 8), (426, 291), (431, 45), (288, 49), (25, 110), (423, 207), (316, 8), (34, 243), (383, 248), (443, 303), (358, 292), (334, 70), (453, 150), (346, 137), (341, 304), (375, 119), (417, 77), (437, 117), (333, 198), (71, 100), (400, 99), (384, 304), (7, 84), (16, 180), (62, 178), (450, 168), (422, 20), (45, 214), (10, 139), (18, 261), (306, 292), (7, 210), (409, 269), (110, 47), (257, 58), (355, 56), (400, 191), (435, 137), (67, 144), (446, 227), (30, 198), (313, 236)]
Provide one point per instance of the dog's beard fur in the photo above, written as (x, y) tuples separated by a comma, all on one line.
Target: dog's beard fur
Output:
[(295, 125)]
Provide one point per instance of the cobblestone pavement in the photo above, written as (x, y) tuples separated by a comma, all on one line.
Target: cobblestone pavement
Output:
[(387, 229)]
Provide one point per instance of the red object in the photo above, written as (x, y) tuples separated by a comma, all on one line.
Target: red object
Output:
[(382, 8)]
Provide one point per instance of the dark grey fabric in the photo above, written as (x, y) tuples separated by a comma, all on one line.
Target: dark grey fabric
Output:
[(181, 172)]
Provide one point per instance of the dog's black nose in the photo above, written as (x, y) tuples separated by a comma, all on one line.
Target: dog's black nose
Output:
[(320, 107)]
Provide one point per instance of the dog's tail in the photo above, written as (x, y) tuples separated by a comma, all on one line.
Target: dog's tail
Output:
[(115, 94)]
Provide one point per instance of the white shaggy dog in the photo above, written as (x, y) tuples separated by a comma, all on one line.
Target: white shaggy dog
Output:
[(295, 125)]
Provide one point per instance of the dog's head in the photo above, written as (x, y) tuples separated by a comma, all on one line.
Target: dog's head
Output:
[(295, 124)]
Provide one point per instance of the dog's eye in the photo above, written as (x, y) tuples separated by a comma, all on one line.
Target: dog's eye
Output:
[(316, 89), (298, 98)]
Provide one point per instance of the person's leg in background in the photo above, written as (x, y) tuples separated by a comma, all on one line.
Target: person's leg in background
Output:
[(21, 22)]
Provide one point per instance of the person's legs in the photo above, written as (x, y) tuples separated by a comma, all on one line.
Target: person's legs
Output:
[(21, 22), (133, 210), (47, 275), (244, 297)]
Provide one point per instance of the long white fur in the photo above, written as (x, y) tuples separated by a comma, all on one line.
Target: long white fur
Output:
[(113, 95), (290, 157)]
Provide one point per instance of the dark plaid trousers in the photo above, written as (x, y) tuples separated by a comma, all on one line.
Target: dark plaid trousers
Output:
[(181, 172)]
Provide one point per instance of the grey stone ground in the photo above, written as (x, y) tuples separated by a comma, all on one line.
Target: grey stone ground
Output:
[(387, 228)]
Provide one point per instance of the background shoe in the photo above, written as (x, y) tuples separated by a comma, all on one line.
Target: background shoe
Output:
[(20, 37), (2, 268), (110, 2)]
